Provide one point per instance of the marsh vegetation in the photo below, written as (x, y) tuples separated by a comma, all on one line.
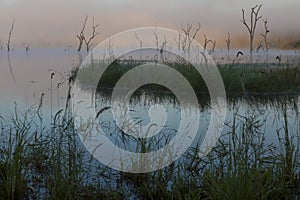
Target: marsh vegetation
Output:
[(41, 161)]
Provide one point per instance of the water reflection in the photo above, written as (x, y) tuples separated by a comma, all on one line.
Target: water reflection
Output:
[(10, 67), (270, 111)]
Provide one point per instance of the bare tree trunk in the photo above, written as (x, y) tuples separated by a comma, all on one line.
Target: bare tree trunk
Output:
[(1, 45), (163, 46), (80, 36), (178, 42), (251, 26), (80, 43), (228, 42), (251, 49), (156, 38), (140, 43), (9, 35), (265, 35)]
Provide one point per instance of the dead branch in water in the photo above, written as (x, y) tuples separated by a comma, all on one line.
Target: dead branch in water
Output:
[(9, 36)]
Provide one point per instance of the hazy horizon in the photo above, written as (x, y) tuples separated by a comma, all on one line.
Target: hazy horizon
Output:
[(56, 22)]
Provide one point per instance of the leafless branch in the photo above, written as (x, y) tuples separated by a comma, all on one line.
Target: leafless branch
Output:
[(189, 37), (94, 34), (80, 36)]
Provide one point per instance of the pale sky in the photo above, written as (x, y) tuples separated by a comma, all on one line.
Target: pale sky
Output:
[(56, 22)]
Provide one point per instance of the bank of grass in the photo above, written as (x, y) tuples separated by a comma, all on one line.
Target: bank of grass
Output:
[(239, 79), (264, 79), (51, 163)]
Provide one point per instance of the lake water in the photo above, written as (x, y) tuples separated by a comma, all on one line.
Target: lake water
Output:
[(25, 76)]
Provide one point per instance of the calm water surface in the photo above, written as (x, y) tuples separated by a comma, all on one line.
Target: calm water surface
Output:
[(25, 76)]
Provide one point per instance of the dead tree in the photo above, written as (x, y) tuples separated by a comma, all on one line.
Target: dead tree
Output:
[(228, 42), (251, 26), (139, 40), (163, 46), (156, 38), (265, 35), (1, 45), (88, 42), (206, 42), (80, 36), (9, 36), (140, 43), (188, 36), (213, 46), (260, 46), (178, 42)]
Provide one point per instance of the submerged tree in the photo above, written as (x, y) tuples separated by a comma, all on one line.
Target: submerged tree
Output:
[(260, 46), (228, 42), (1, 45), (214, 42), (9, 36), (206, 42), (265, 35), (251, 26)]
